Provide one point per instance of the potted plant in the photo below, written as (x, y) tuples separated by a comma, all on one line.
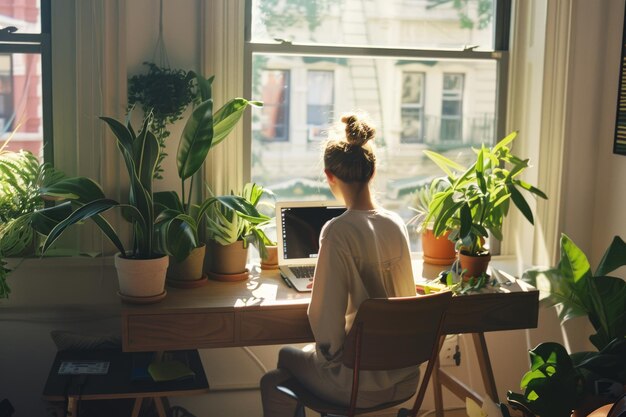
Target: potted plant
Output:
[(559, 382), (436, 250), (141, 269), (478, 200), (21, 176), (165, 93), (230, 232), (178, 216)]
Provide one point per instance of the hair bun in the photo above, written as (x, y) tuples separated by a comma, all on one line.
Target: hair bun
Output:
[(358, 132)]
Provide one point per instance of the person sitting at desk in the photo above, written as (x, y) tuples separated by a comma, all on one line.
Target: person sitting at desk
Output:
[(364, 253)]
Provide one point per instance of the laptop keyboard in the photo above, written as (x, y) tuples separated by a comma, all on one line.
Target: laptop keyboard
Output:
[(303, 271)]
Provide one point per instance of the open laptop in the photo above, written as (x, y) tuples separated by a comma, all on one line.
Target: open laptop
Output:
[(298, 227)]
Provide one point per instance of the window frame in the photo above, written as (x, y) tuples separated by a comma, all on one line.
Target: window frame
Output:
[(38, 43), (499, 54)]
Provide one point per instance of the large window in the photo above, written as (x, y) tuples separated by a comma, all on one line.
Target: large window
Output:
[(25, 86), (430, 74)]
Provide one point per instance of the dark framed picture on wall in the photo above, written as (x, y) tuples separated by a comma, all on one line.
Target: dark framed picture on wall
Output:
[(619, 141)]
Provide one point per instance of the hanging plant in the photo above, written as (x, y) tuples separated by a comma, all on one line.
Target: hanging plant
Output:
[(166, 93)]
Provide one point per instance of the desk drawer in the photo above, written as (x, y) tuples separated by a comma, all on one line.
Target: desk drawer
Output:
[(179, 331), (275, 326)]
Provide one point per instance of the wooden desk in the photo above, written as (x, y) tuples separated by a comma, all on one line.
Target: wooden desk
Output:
[(264, 311)]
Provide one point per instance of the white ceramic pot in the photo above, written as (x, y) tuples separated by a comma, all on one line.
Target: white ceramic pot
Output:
[(141, 277)]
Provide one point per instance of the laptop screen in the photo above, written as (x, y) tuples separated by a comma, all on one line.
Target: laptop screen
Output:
[(300, 227)]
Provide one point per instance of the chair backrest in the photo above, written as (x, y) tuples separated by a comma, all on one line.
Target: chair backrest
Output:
[(396, 332), (619, 408)]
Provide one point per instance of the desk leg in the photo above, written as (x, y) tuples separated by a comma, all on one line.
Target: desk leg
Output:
[(72, 403), (158, 402), (137, 407), (480, 344), (442, 379)]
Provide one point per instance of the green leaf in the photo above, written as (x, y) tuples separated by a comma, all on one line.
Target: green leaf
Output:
[(85, 212), (574, 264), (204, 87), (520, 203), (196, 140), (530, 188), (44, 220), (227, 117), (466, 220), (146, 154), (614, 257), (504, 142), (608, 310), (444, 163), (180, 237), (81, 189), (168, 200)]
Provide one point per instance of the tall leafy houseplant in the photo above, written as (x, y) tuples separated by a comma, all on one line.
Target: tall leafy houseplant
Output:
[(479, 197), (140, 153), (558, 382), (179, 216)]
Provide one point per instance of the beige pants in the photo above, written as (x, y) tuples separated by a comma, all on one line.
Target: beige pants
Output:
[(294, 363)]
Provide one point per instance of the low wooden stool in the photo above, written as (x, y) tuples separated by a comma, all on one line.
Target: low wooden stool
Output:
[(124, 379)]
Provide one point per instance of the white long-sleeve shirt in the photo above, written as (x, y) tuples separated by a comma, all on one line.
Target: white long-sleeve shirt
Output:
[(363, 254)]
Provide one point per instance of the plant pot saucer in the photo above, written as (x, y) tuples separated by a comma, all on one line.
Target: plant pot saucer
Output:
[(142, 300), (265, 266), (188, 283), (241, 276)]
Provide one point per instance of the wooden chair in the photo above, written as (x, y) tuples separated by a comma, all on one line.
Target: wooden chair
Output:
[(387, 334)]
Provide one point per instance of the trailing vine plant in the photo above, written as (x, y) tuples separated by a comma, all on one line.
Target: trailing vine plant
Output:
[(166, 93)]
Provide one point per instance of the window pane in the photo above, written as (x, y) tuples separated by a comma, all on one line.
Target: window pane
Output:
[(274, 122), (320, 102), (420, 24), (409, 118), (25, 15), (20, 102)]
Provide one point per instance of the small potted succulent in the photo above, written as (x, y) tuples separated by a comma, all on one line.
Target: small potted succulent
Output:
[(478, 200)]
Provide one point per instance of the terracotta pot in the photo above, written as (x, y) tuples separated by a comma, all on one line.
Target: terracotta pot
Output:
[(271, 261), (141, 277), (189, 269), (438, 250), (228, 259), (475, 266)]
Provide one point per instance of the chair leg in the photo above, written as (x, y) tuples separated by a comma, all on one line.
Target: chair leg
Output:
[(159, 407), (136, 407), (72, 406)]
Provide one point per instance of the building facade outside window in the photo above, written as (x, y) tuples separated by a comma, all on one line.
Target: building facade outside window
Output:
[(408, 68), (452, 107), (274, 122), (25, 74), (412, 111), (320, 103)]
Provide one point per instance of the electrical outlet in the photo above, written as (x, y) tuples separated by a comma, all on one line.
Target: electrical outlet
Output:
[(450, 354)]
